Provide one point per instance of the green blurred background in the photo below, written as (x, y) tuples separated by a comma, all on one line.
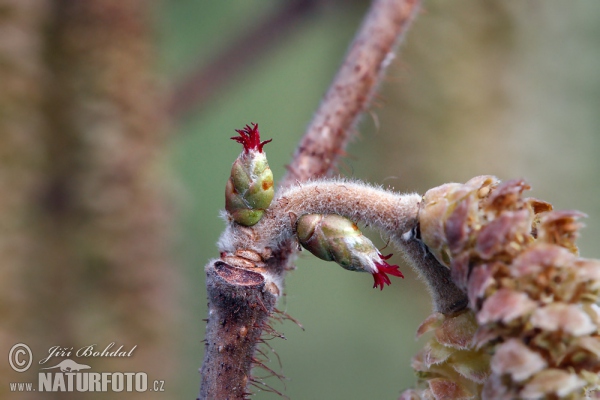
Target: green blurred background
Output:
[(107, 216), (504, 88)]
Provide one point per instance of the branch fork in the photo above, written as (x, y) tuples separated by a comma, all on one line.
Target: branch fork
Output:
[(515, 307), (245, 283), (257, 249)]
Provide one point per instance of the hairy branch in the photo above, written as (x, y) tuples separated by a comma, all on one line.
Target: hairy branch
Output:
[(239, 308), (392, 213), (226, 368)]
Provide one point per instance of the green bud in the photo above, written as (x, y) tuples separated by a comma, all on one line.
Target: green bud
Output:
[(249, 190), (336, 238), (326, 236)]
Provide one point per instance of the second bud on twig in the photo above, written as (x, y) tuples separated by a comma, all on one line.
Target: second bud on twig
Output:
[(335, 238)]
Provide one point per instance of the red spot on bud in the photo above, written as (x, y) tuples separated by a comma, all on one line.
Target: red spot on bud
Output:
[(250, 138), (383, 268)]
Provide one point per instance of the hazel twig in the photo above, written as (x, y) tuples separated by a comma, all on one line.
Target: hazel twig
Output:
[(244, 286), (351, 91)]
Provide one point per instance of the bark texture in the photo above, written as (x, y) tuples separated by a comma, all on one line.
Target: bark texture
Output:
[(317, 154), (241, 306), (86, 225)]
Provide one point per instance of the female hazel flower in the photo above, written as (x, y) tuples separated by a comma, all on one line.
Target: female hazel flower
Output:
[(335, 238), (249, 190)]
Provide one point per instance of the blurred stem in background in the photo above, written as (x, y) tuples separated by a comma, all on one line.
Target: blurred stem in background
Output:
[(84, 220), (205, 81)]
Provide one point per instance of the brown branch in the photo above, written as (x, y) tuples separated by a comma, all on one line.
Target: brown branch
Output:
[(332, 127), (393, 214), (204, 81), (447, 298), (351, 90), (236, 307), (239, 306)]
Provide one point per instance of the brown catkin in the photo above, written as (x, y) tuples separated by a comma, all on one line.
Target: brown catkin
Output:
[(533, 299)]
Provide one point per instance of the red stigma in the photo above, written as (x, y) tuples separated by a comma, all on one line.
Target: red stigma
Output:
[(250, 138), (383, 268)]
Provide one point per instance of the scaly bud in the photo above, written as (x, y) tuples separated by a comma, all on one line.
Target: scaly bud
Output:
[(444, 208), (535, 301), (249, 190), (335, 238)]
